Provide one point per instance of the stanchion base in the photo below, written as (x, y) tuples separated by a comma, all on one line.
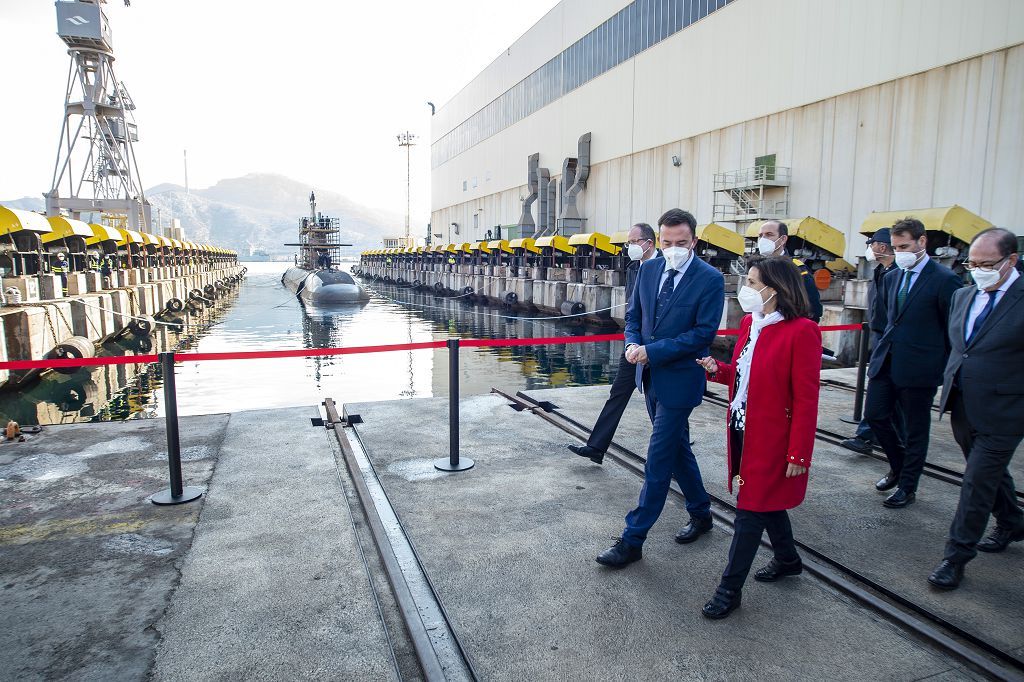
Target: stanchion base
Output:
[(445, 464), (188, 494), (850, 420)]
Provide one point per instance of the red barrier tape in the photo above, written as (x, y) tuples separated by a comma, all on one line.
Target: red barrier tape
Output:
[(79, 362), (544, 341), (16, 365)]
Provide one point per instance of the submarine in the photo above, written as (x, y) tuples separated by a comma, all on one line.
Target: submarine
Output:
[(314, 278)]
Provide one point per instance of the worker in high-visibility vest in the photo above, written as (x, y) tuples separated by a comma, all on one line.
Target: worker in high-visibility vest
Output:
[(61, 267)]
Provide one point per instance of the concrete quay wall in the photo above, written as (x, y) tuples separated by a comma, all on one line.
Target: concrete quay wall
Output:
[(31, 330), (602, 293)]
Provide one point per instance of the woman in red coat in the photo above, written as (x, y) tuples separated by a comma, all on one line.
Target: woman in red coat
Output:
[(773, 413)]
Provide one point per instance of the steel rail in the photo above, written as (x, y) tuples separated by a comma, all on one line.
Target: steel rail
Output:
[(924, 623), (427, 657)]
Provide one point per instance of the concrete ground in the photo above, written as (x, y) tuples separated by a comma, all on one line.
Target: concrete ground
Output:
[(510, 547), (262, 579), (844, 518), (87, 564), (272, 574)]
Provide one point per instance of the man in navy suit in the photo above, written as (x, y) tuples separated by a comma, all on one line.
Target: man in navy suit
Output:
[(911, 315), (675, 310)]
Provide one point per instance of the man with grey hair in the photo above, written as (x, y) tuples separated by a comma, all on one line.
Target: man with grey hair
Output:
[(640, 248), (983, 388)]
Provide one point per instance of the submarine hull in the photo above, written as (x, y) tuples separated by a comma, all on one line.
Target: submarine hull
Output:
[(323, 286)]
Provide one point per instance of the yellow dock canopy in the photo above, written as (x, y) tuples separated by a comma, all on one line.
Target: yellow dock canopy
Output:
[(556, 242), (15, 220), (524, 243), (722, 238), (500, 245), (481, 247), (596, 240), (102, 233), (954, 220), (810, 230), (465, 247), (129, 237), (66, 227)]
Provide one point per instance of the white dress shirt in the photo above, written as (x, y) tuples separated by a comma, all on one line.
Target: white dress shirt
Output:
[(981, 300)]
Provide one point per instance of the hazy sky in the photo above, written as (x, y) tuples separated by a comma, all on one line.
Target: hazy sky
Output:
[(311, 89)]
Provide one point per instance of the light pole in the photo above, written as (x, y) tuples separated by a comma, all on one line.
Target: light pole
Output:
[(407, 140)]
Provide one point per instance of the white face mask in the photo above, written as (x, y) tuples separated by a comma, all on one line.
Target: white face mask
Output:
[(986, 279), (870, 255), (907, 259), (675, 256), (765, 246), (750, 299), (635, 251)]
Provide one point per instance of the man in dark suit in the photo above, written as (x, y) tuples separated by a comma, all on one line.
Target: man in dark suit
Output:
[(675, 311), (640, 247), (879, 250), (771, 241), (983, 388), (911, 315)]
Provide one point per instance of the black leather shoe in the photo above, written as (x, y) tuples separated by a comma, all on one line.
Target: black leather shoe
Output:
[(887, 482), (857, 445), (999, 539), (694, 529), (722, 604), (947, 576), (899, 499), (619, 555), (590, 453), (776, 569)]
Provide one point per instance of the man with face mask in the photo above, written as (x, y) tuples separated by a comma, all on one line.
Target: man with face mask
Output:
[(983, 388), (640, 249), (911, 314), (675, 310), (879, 250), (771, 241)]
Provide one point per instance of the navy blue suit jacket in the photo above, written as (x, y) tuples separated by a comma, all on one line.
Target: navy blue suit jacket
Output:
[(683, 334), (915, 338)]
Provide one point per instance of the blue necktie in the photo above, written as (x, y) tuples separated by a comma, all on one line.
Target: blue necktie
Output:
[(901, 295), (665, 295), (984, 314)]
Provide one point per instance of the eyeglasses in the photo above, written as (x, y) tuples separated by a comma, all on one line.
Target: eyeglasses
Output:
[(970, 265), (639, 241)]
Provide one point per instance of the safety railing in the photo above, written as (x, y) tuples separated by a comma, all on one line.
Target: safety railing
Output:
[(178, 493)]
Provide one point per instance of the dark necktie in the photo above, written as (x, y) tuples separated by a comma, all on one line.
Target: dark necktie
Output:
[(901, 295), (665, 295), (984, 314)]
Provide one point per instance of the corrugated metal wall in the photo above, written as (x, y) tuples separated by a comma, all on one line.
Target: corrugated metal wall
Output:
[(953, 134)]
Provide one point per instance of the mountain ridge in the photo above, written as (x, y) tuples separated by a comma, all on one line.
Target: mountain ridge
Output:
[(257, 210)]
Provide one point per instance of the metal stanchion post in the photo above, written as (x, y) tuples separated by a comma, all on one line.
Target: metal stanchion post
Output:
[(452, 462), (176, 494), (862, 370)]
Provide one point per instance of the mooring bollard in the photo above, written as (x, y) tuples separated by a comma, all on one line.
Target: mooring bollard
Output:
[(176, 494), (452, 462), (862, 370)]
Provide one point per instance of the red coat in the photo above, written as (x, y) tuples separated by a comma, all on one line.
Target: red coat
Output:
[(782, 412)]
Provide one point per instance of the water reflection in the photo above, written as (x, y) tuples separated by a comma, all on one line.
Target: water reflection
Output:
[(266, 316)]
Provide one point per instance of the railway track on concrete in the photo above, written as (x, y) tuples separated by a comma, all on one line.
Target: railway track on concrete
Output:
[(936, 471), (904, 612), (409, 606)]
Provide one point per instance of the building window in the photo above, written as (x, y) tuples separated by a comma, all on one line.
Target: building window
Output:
[(632, 30)]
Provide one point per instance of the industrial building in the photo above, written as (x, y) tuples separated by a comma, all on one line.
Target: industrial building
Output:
[(608, 112)]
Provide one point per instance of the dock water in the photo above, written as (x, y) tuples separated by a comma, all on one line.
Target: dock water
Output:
[(272, 575)]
